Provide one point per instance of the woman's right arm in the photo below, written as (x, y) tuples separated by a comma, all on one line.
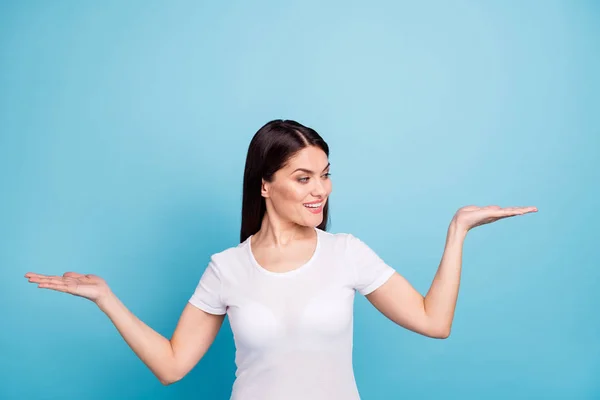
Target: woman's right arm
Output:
[(169, 360)]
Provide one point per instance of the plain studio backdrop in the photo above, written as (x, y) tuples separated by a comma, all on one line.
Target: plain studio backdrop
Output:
[(123, 133)]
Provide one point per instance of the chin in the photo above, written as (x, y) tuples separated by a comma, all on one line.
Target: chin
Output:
[(311, 223), (316, 222)]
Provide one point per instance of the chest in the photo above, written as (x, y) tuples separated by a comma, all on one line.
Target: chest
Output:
[(285, 260), (311, 309)]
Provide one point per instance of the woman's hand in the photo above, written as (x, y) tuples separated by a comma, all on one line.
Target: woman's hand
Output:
[(471, 216), (91, 287)]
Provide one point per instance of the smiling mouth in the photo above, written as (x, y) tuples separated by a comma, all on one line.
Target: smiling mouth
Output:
[(314, 208), (313, 205)]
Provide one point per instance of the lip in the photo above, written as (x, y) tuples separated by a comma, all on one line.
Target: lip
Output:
[(317, 210), (316, 201)]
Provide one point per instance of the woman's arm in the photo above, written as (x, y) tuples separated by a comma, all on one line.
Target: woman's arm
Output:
[(169, 360), (432, 315), (440, 301)]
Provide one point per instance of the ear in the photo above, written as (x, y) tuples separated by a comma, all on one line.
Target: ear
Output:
[(264, 189)]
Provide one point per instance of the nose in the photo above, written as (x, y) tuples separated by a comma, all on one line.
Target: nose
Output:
[(319, 189)]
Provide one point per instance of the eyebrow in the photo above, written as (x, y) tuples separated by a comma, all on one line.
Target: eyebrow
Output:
[(308, 171)]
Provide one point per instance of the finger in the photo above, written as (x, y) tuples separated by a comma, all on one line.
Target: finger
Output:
[(526, 210), (523, 210), (33, 274), (512, 211), (47, 279), (500, 212), (54, 286), (514, 208), (497, 214)]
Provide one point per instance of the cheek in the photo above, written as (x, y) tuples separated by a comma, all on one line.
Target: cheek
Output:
[(291, 195), (299, 194), (328, 187)]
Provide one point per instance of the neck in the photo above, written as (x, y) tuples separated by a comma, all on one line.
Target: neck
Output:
[(277, 233)]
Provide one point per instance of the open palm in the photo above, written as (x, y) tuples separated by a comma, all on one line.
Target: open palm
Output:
[(89, 286), (471, 216)]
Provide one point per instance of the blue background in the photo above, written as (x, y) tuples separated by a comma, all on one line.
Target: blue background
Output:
[(123, 132)]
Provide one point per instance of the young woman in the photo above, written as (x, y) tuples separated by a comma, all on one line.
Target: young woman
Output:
[(288, 287)]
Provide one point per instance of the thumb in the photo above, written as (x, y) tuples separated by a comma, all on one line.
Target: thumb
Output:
[(72, 275)]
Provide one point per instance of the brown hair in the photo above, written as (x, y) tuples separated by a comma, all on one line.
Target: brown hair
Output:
[(270, 148)]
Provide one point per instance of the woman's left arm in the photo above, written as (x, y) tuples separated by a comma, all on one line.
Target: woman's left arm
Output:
[(432, 315)]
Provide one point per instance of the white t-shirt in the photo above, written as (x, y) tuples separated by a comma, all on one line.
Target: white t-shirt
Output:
[(292, 330)]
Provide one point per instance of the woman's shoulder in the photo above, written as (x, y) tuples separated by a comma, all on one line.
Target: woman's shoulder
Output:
[(337, 236), (337, 240), (229, 254), (344, 241)]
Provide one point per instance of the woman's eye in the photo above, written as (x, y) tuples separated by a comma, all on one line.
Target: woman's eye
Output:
[(305, 179)]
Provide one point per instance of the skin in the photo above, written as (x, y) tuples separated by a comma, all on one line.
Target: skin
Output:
[(285, 241)]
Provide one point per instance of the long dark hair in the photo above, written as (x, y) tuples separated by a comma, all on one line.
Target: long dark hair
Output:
[(270, 148)]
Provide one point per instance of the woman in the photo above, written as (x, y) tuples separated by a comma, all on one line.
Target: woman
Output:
[(288, 287)]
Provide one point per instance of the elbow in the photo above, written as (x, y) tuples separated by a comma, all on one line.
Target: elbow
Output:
[(173, 373), (166, 381), (442, 332), (445, 334), (170, 379)]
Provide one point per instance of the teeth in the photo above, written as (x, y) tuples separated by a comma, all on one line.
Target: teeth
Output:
[(313, 205)]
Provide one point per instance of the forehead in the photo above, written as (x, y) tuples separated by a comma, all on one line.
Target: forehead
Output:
[(310, 158)]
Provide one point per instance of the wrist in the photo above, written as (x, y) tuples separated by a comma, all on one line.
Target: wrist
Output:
[(106, 301), (457, 229)]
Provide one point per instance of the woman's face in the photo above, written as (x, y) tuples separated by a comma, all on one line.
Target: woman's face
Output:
[(299, 190)]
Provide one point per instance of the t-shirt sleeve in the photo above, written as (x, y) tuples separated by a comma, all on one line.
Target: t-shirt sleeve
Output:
[(207, 295), (370, 271)]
